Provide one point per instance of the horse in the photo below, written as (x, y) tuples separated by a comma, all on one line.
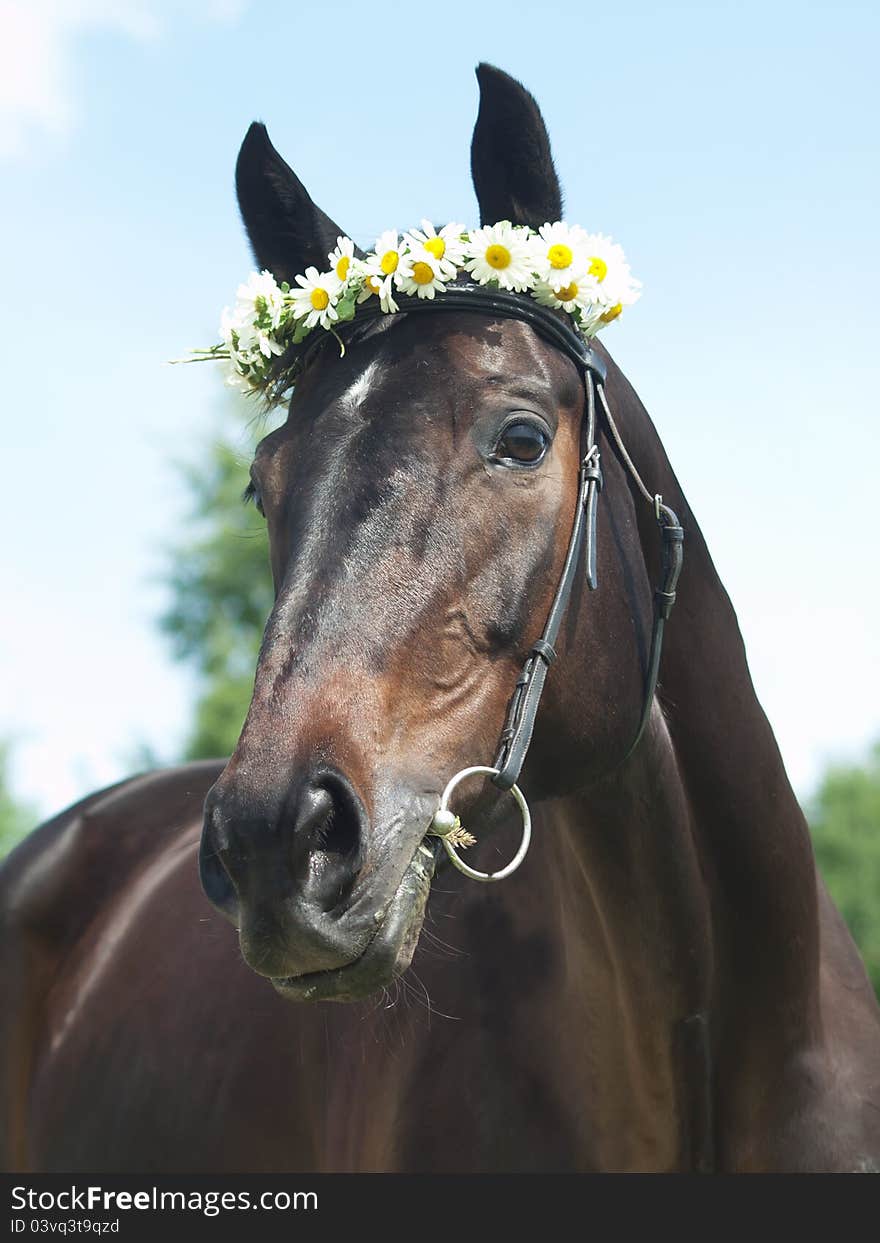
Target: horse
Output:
[(664, 985)]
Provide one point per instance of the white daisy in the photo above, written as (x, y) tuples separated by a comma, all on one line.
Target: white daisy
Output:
[(602, 316), (581, 294), (446, 246), (560, 254), (315, 300), (592, 317), (371, 284), (385, 259), (268, 345), (608, 266), (383, 264), (241, 338), (263, 296), (501, 252), (341, 258), (248, 330), (381, 288), (422, 274)]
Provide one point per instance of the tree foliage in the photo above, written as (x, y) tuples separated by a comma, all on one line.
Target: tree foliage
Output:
[(844, 816), (221, 594), (16, 818)]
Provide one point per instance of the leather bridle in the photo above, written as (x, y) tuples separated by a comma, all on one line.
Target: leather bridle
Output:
[(522, 710), (519, 724)]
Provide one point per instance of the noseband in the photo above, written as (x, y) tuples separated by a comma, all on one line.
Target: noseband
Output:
[(516, 736)]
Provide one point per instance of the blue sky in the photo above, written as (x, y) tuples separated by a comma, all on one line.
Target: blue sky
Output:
[(731, 148)]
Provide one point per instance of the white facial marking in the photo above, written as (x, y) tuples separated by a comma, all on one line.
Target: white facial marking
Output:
[(356, 392)]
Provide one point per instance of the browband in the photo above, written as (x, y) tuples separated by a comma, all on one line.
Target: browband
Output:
[(468, 296)]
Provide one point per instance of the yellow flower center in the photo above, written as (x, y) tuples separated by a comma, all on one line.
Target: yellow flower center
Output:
[(560, 255), (342, 266), (389, 262), (373, 284), (598, 268), (422, 273), (567, 292), (611, 313), (319, 299), (436, 246), (498, 256)]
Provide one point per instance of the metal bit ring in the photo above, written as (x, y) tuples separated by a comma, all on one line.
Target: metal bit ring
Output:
[(444, 820)]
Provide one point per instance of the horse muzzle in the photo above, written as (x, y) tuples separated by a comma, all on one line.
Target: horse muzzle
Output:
[(326, 905)]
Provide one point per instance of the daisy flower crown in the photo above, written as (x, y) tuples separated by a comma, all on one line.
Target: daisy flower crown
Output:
[(564, 268)]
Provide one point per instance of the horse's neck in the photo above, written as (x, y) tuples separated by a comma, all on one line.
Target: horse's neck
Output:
[(750, 833), (695, 856)]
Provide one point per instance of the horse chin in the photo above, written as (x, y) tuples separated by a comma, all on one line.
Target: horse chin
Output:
[(389, 952)]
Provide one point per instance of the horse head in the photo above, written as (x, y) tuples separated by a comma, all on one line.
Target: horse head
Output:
[(420, 499)]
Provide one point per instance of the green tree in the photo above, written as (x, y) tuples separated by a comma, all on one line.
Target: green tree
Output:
[(844, 817), (221, 594), (16, 818)]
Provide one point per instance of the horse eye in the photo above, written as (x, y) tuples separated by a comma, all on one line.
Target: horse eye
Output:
[(251, 495), (522, 442)]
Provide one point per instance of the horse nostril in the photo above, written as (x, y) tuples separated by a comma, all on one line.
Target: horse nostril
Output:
[(214, 874), (331, 824), (313, 815), (328, 840), (216, 881)]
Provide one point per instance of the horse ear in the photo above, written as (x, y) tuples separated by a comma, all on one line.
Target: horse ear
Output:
[(511, 162), (287, 231)]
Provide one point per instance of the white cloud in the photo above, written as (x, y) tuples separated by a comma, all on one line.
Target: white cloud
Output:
[(38, 48)]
